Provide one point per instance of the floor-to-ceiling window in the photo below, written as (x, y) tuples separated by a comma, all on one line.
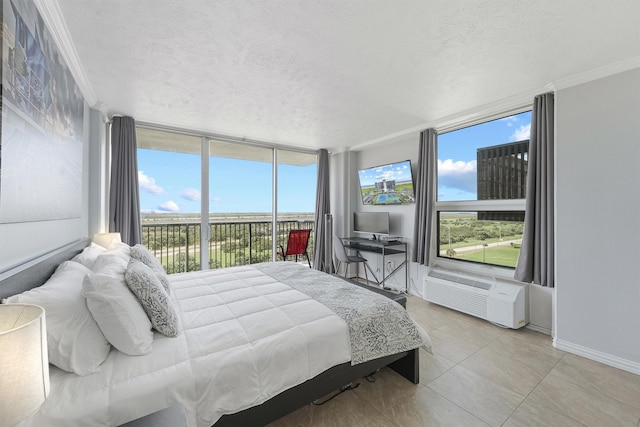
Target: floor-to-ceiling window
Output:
[(297, 175), (211, 202), (240, 203), (169, 176)]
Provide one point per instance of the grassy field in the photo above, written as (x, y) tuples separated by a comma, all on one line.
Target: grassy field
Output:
[(499, 255)]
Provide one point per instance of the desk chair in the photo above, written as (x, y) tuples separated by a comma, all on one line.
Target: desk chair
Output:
[(296, 245), (343, 257)]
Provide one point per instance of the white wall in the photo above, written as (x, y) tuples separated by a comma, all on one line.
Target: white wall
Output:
[(98, 173), (598, 221), (401, 217)]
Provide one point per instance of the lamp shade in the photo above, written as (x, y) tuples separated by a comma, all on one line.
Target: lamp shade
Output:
[(106, 239), (24, 364)]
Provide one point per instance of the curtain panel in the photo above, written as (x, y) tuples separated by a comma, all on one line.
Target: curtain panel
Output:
[(124, 196), (425, 196), (322, 207), (536, 263)]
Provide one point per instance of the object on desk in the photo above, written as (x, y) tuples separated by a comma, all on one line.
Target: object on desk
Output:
[(343, 257)]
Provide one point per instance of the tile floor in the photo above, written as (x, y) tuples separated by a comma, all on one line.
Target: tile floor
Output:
[(484, 375)]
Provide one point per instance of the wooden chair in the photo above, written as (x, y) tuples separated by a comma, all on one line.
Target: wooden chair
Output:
[(296, 245)]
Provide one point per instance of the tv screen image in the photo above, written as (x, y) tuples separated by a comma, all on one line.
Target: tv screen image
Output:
[(390, 184)]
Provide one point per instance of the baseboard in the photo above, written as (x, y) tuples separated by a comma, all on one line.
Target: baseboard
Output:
[(598, 356), (538, 329)]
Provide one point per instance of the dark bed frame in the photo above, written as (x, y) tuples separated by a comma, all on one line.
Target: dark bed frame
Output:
[(34, 273)]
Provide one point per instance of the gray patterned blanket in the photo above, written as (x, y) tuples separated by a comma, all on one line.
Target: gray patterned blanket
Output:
[(378, 326)]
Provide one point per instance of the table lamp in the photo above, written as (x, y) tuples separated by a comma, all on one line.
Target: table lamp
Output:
[(106, 239), (24, 364)]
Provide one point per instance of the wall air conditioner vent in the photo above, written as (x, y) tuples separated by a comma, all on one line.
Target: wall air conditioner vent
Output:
[(464, 280), (498, 302)]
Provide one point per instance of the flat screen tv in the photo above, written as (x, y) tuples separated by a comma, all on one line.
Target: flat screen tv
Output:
[(390, 184), (371, 222)]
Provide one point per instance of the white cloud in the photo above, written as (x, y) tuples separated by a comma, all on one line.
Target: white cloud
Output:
[(191, 194), (458, 175), (148, 184), (510, 120), (449, 167), (522, 133), (169, 206)]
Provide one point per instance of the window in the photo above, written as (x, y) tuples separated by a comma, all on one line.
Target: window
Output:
[(169, 178), (482, 175), (209, 203)]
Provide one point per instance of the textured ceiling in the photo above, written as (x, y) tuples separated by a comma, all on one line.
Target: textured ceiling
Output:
[(335, 73)]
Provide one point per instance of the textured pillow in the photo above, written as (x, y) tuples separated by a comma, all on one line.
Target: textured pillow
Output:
[(141, 253), (154, 299), (74, 340), (88, 255), (117, 311)]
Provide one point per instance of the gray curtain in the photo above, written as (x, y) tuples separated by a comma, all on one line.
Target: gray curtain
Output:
[(322, 207), (124, 196), (535, 263), (425, 196)]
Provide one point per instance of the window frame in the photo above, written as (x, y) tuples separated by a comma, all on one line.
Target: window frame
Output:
[(205, 153), (436, 260)]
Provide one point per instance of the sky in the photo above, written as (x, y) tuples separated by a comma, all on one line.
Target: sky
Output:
[(457, 153), (170, 183)]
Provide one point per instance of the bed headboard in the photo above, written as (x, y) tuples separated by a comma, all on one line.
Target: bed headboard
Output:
[(35, 272)]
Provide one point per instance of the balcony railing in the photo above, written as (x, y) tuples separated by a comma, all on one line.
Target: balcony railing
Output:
[(177, 245)]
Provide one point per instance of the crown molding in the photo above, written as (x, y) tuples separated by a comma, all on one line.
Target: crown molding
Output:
[(52, 16), (512, 104), (597, 73)]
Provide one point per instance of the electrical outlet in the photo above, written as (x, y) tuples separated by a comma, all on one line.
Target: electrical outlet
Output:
[(391, 265)]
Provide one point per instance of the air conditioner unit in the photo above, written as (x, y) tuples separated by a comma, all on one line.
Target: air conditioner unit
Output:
[(498, 302)]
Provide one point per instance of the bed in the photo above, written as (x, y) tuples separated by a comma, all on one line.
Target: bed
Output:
[(252, 344)]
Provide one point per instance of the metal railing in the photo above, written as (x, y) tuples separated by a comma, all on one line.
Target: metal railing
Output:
[(177, 245)]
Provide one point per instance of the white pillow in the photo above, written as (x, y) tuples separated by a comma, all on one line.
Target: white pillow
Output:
[(154, 299), (74, 340), (117, 250), (144, 255), (88, 255), (107, 259), (120, 249), (117, 311)]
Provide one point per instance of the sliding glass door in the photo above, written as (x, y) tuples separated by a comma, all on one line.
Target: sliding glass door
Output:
[(240, 204), (296, 196), (169, 176), (212, 203)]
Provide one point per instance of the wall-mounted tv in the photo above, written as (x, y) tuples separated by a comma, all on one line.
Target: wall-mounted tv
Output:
[(371, 222), (390, 184)]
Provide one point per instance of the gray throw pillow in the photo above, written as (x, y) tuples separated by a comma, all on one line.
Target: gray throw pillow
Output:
[(152, 296), (141, 253)]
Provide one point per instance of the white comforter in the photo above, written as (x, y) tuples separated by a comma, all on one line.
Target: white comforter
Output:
[(244, 337)]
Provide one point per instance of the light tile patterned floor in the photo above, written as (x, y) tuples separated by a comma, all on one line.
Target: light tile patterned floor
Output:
[(484, 375)]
